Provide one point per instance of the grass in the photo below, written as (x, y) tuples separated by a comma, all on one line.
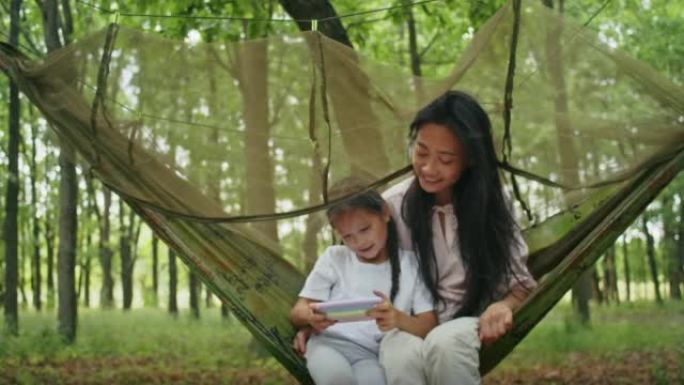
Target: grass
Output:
[(140, 346), (635, 343), (614, 328), (149, 346)]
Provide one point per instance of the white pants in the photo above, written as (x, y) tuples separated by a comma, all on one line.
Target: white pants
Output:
[(448, 355), (335, 361)]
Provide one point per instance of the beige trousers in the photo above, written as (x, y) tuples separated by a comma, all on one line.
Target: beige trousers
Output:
[(448, 355)]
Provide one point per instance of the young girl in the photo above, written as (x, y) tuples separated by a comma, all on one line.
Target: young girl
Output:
[(454, 215), (369, 263)]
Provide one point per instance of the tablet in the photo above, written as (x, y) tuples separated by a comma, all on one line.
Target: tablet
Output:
[(347, 310)]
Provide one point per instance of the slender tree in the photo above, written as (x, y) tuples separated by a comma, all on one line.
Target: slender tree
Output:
[(194, 285), (68, 188), (10, 230), (680, 241), (627, 272), (125, 236), (50, 256), (155, 269), (49, 232), (669, 246), (173, 283), (413, 50), (104, 249), (36, 281), (610, 276), (86, 269), (650, 254)]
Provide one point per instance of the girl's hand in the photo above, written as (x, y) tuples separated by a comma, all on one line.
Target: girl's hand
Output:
[(386, 316), (496, 321), (317, 320), (299, 342)]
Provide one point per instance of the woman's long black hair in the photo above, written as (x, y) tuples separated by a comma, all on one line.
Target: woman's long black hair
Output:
[(371, 201), (486, 229)]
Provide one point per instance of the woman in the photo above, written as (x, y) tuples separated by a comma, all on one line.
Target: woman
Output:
[(454, 215)]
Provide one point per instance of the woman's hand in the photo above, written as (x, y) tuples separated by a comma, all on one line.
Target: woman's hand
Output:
[(299, 341), (384, 313), (496, 321)]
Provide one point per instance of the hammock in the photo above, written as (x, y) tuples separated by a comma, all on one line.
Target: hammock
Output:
[(226, 150)]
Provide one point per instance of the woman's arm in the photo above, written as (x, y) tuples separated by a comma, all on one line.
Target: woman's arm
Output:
[(497, 319), (388, 317)]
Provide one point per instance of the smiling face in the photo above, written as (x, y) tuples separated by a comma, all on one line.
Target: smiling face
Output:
[(365, 232), (438, 160)]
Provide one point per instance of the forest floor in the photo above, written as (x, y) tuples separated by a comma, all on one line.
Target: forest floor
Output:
[(626, 344)]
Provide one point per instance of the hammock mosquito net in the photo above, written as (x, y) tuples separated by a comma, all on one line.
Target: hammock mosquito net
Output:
[(227, 149)]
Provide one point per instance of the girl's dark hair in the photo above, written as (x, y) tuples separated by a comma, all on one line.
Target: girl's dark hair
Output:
[(372, 201), (485, 225)]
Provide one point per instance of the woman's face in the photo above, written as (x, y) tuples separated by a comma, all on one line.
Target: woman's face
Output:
[(365, 232), (438, 160)]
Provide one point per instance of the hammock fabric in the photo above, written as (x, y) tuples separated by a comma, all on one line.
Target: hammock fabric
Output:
[(227, 149)]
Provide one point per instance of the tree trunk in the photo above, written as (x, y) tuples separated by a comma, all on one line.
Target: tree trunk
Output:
[(173, 283), (194, 284), (680, 241), (86, 270), (314, 221), (596, 291), (66, 257), (155, 269), (10, 230), (36, 281), (68, 190), (106, 254), (413, 51), (625, 262), (125, 232), (610, 276), (209, 298), (581, 293), (225, 312), (260, 195), (50, 256), (24, 258), (670, 248), (650, 254)]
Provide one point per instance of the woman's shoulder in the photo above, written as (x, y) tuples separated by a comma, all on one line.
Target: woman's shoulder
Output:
[(396, 192)]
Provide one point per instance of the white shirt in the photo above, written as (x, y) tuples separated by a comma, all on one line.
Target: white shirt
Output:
[(339, 274), (451, 280)]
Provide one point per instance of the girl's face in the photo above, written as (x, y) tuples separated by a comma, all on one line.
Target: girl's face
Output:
[(438, 160), (365, 232)]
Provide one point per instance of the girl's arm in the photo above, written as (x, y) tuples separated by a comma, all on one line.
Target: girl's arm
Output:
[(388, 317), (303, 315)]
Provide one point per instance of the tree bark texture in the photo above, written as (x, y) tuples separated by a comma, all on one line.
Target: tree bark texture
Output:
[(10, 227)]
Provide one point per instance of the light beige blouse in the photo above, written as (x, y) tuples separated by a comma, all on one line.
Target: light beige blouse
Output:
[(451, 280)]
